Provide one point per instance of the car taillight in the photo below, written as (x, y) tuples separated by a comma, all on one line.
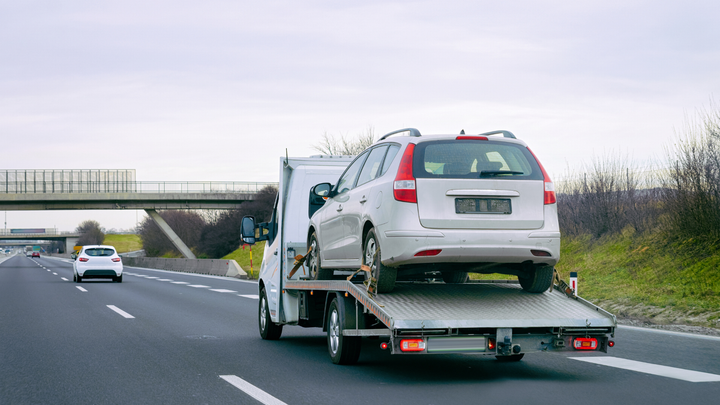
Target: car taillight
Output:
[(471, 138), (83, 259), (431, 252), (116, 259), (404, 184), (549, 194), (412, 345), (585, 343)]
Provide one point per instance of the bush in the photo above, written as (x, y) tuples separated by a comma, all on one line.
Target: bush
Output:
[(90, 233)]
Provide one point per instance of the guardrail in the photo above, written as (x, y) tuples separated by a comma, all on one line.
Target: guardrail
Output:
[(162, 187)]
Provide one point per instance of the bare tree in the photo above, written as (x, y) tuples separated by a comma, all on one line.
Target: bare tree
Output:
[(90, 233), (330, 145)]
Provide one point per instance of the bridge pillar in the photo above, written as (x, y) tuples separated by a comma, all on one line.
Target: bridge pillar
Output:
[(70, 242), (179, 244)]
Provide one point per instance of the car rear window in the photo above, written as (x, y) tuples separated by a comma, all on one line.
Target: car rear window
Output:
[(472, 159), (99, 252)]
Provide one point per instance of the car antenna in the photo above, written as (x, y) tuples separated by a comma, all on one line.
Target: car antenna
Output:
[(462, 132)]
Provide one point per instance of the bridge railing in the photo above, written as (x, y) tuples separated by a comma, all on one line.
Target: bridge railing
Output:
[(68, 187)]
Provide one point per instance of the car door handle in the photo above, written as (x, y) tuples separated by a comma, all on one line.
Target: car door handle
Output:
[(363, 200), (275, 252), (339, 208)]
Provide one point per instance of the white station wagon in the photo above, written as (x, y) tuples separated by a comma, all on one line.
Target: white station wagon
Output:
[(443, 204)]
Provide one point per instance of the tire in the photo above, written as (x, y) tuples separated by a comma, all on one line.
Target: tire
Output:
[(79, 279), (385, 275), (119, 278), (269, 330), (313, 262), (74, 277), (342, 349), (455, 277), (510, 359), (539, 279)]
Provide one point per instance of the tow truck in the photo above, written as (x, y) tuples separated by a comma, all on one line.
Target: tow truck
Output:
[(420, 316)]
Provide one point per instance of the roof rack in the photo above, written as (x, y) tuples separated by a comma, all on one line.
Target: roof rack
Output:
[(412, 132), (505, 134)]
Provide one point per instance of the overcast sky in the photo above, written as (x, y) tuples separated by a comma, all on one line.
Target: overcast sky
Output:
[(217, 90)]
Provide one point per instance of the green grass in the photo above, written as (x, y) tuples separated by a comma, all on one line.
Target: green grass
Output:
[(123, 243), (242, 257)]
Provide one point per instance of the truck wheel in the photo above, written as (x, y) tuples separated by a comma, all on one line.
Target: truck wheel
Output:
[(510, 359), (342, 349), (385, 275), (539, 279), (313, 261), (455, 277), (269, 330)]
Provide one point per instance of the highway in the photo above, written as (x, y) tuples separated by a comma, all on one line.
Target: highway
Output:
[(174, 338)]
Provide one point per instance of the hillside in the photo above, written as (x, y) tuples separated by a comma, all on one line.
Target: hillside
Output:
[(123, 243)]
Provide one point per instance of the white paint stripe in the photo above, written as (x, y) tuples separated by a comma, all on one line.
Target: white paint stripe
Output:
[(198, 286), (180, 282), (55, 274), (120, 311), (251, 296), (648, 368), (48, 269), (252, 390), (150, 277), (64, 279), (669, 332), (164, 279), (224, 291), (81, 289)]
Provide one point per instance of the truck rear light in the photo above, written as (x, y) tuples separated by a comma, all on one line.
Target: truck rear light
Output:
[(83, 259), (549, 193), (539, 252), (471, 138), (491, 344), (404, 184), (431, 252), (611, 343), (116, 259), (585, 343), (412, 345)]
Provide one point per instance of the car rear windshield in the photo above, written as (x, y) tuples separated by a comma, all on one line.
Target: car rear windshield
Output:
[(99, 252), (472, 159)]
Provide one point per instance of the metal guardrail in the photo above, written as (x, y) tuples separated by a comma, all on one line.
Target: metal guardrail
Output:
[(109, 186)]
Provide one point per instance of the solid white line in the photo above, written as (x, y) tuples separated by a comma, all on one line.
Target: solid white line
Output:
[(252, 390), (648, 368), (64, 279), (669, 332), (120, 311), (251, 296), (224, 291), (81, 289), (198, 286)]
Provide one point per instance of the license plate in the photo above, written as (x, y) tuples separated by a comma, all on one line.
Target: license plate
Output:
[(483, 206)]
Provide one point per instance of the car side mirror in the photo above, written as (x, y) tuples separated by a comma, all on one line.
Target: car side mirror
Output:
[(322, 190), (73, 256), (247, 230)]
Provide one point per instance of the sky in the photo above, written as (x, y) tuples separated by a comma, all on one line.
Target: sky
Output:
[(218, 90)]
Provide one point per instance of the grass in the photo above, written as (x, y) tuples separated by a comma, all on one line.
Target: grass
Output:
[(123, 243), (242, 257)]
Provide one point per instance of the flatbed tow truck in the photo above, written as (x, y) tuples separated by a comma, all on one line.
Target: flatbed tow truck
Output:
[(419, 317)]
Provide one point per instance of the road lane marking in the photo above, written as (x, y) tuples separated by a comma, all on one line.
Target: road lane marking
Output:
[(55, 274), (150, 277), (180, 282), (648, 368), (64, 279), (80, 288), (120, 311), (164, 279), (252, 390), (251, 296), (198, 286), (223, 291)]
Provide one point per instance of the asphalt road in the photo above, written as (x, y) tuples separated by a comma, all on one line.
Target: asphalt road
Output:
[(174, 338)]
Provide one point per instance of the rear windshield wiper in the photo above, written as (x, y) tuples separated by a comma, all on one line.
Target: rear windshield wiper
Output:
[(498, 172)]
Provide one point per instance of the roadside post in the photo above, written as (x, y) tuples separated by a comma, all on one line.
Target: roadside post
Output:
[(573, 281)]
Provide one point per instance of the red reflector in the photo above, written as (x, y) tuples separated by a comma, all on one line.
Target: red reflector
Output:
[(116, 259), (539, 252), (611, 343), (491, 344), (412, 345), (83, 259), (432, 252), (585, 343), (383, 345), (472, 138), (404, 184)]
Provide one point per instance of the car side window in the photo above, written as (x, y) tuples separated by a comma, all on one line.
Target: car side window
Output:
[(371, 168), (392, 152), (347, 180)]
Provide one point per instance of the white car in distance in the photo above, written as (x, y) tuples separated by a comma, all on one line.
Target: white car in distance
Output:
[(97, 261)]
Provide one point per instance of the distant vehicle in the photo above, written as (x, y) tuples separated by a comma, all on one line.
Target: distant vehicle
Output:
[(97, 261), (35, 254)]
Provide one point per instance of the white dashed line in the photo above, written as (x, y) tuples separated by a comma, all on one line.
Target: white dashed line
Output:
[(80, 288), (55, 274), (180, 282), (64, 279), (251, 296), (120, 311), (198, 286), (164, 279), (648, 368), (150, 277), (252, 390), (224, 291)]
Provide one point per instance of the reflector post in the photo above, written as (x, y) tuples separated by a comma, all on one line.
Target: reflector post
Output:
[(585, 343), (412, 345)]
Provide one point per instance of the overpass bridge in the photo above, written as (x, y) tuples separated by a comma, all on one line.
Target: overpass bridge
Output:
[(108, 189)]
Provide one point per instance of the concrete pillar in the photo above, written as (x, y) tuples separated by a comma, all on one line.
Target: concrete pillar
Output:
[(179, 244), (69, 243)]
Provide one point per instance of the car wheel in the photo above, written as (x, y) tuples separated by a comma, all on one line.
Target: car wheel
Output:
[(313, 261), (455, 277), (269, 330), (119, 278), (538, 279), (74, 277), (342, 349), (385, 275), (78, 278)]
